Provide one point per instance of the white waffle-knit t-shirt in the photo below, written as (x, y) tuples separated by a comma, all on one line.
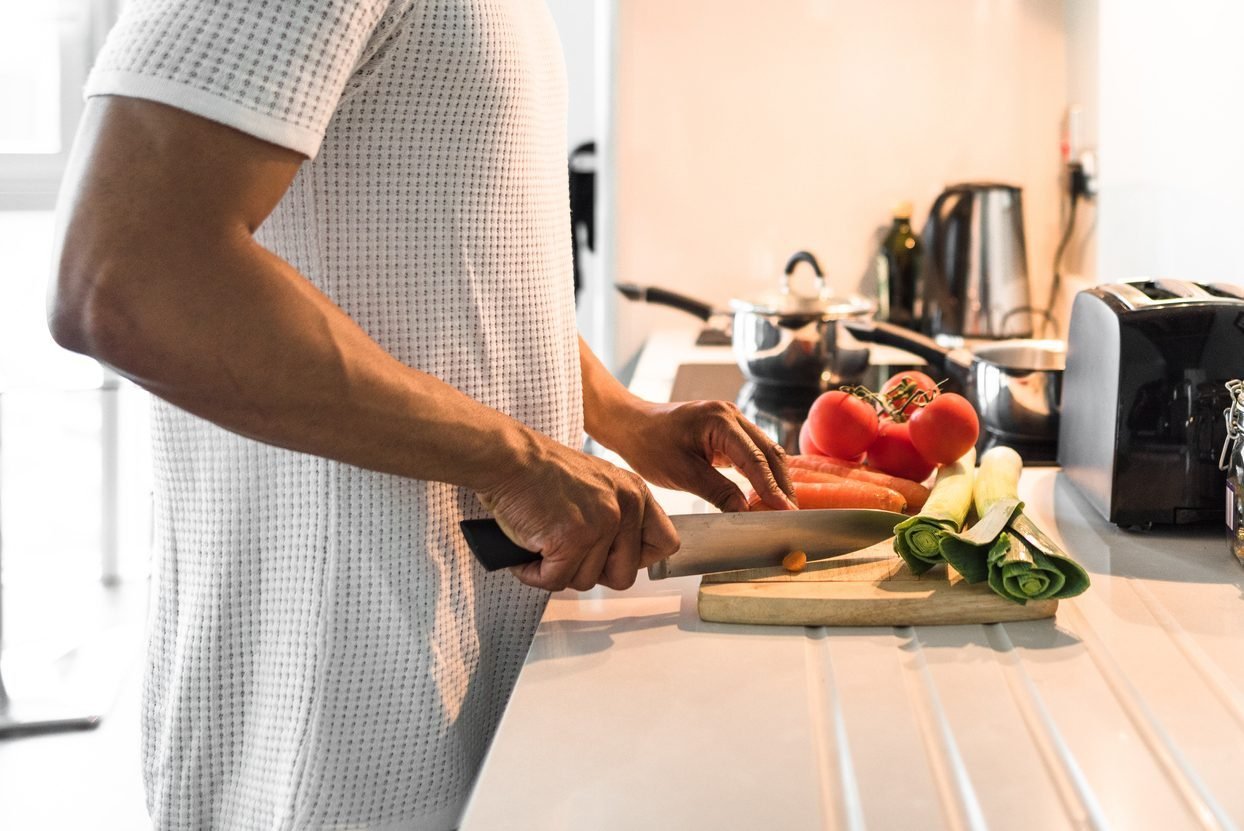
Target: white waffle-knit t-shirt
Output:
[(324, 651)]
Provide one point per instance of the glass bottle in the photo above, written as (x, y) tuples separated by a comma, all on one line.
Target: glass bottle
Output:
[(1232, 461), (898, 264)]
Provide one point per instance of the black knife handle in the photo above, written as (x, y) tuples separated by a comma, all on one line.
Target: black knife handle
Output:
[(492, 547)]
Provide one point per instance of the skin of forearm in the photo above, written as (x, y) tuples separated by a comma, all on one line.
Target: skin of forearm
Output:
[(242, 340), (610, 411)]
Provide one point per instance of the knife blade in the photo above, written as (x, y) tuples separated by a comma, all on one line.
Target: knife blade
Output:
[(723, 542)]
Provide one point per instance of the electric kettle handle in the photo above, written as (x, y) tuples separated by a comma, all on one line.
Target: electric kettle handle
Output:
[(935, 276)]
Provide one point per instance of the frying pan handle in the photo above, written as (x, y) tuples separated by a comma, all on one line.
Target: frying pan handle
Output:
[(492, 547), (664, 297), (874, 331)]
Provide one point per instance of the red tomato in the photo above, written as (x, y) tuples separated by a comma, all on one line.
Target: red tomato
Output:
[(841, 424), (806, 446), (945, 428), (893, 453), (902, 401)]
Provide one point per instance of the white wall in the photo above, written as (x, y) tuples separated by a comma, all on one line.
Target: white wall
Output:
[(576, 25), (745, 131), (1170, 127), (1083, 62)]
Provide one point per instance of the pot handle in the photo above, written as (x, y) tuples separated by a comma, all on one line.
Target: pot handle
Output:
[(873, 331), (664, 297), (803, 257)]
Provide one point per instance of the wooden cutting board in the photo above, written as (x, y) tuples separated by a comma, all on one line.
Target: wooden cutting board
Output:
[(872, 587)]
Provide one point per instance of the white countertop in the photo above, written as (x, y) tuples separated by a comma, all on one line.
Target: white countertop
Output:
[(1125, 711)]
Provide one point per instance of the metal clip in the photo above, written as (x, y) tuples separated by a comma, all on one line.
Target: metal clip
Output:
[(1234, 416)]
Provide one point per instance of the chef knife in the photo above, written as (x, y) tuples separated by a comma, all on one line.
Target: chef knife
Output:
[(723, 542)]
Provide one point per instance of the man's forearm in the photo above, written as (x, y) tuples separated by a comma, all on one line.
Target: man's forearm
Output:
[(159, 277), (609, 409), (241, 339)]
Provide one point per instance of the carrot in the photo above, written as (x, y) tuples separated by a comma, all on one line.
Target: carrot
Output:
[(823, 463), (807, 474), (843, 494), (913, 492)]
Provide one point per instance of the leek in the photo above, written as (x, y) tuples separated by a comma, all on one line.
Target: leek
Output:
[(1033, 568), (998, 478), (918, 540), (1005, 547), (969, 551)]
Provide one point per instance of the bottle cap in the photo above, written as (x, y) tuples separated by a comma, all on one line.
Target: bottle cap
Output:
[(902, 210)]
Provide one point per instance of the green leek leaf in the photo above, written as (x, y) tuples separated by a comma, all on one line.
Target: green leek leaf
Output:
[(968, 551)]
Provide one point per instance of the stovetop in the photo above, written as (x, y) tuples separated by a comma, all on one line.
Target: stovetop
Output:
[(780, 411)]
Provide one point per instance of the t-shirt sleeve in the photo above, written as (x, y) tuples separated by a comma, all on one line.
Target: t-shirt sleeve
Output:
[(274, 69)]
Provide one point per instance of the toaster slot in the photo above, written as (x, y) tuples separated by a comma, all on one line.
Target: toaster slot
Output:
[(1226, 290), (1127, 294), (1142, 295), (1179, 289)]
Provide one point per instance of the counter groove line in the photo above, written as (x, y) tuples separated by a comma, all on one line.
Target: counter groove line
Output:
[(841, 806), (958, 795), (1223, 689), (1179, 772), (1077, 796)]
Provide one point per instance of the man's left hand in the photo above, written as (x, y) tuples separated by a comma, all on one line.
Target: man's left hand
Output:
[(679, 445)]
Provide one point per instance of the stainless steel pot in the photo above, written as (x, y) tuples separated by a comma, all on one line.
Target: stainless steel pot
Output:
[(1015, 385), (783, 339)]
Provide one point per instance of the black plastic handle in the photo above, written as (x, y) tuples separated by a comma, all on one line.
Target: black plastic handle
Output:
[(492, 547), (890, 335), (803, 257), (665, 297)]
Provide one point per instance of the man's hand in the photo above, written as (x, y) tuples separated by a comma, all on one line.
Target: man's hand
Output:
[(679, 446), (592, 522)]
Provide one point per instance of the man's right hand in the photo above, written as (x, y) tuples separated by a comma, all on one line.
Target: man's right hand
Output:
[(591, 521)]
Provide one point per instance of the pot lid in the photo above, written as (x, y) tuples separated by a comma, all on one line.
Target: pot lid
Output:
[(821, 303)]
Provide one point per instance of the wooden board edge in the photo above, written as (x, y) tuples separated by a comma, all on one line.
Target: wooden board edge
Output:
[(721, 603)]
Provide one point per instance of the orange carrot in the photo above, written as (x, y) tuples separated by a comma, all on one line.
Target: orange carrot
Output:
[(913, 492), (807, 474), (815, 462), (843, 494)]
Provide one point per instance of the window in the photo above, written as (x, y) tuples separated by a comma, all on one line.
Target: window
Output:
[(46, 49)]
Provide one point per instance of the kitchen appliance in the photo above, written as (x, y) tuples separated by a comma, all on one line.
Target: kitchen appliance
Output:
[(872, 587), (1143, 397), (975, 271), (783, 339), (723, 542), (1014, 385)]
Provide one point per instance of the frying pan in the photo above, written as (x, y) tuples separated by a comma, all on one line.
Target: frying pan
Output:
[(783, 339), (1015, 385)]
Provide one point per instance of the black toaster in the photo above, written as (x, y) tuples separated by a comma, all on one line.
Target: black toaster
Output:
[(1143, 395)]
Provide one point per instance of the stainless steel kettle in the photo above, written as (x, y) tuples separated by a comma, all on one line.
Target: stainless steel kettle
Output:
[(975, 275)]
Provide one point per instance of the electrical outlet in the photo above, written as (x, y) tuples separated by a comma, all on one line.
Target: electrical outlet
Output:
[(1083, 175)]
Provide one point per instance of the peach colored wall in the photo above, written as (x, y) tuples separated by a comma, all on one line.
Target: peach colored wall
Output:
[(746, 131)]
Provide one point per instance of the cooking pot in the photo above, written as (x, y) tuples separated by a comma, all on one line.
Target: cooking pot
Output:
[(783, 339), (1015, 385)]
